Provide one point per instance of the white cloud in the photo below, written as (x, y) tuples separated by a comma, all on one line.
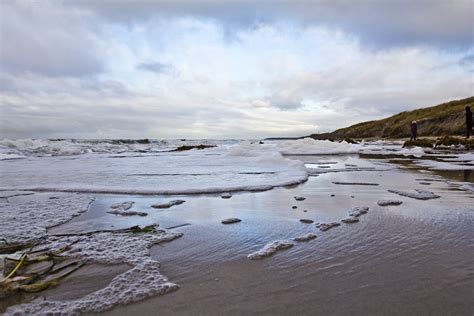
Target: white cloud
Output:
[(271, 79)]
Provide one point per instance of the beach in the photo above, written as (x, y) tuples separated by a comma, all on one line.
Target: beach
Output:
[(404, 247)]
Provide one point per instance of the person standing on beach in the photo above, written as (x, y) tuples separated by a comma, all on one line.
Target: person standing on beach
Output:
[(414, 130), (468, 121)]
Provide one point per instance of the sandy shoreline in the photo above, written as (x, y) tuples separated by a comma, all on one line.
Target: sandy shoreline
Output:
[(406, 259)]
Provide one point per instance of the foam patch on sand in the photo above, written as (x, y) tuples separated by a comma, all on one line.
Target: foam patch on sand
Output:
[(123, 209), (142, 281), (358, 211), (350, 220), (28, 218), (305, 237), (418, 194), (326, 226), (270, 249)]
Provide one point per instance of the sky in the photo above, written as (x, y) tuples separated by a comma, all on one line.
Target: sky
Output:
[(225, 69)]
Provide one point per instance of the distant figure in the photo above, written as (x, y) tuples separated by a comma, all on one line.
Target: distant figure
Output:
[(414, 130), (468, 121)]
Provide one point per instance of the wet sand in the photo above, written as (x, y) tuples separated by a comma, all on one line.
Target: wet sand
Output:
[(415, 258)]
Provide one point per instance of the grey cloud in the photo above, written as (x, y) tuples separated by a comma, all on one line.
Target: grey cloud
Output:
[(467, 62), (378, 23), (47, 39), (157, 67)]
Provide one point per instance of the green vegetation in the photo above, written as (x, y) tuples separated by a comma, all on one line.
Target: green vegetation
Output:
[(36, 270), (425, 142), (440, 120), (455, 141)]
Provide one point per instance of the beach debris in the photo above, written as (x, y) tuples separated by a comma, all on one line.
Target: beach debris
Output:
[(305, 211), (35, 271), (299, 198), (333, 195), (306, 221), (189, 147), (355, 183), (178, 226), (12, 247), (141, 281), (150, 229), (294, 207), (306, 237), (425, 183), (325, 226), (389, 202), (358, 211), (350, 220), (231, 220), (419, 195), (168, 204), (226, 195), (270, 248)]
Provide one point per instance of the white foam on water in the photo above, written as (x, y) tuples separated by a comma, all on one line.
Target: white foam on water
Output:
[(28, 219), (10, 156), (72, 147), (309, 146), (123, 205), (305, 237), (270, 249), (418, 194), (446, 165), (244, 167), (143, 280)]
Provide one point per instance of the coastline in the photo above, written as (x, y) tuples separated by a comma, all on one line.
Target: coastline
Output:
[(347, 269)]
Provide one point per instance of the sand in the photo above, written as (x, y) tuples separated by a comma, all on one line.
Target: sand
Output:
[(410, 259)]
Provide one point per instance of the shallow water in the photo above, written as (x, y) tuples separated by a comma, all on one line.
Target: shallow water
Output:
[(416, 258)]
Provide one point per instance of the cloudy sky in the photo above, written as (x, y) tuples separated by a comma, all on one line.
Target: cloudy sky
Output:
[(225, 69)]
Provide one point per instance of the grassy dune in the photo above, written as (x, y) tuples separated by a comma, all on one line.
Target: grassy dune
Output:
[(440, 120)]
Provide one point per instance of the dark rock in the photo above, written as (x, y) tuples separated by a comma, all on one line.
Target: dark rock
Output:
[(226, 195), (306, 221), (232, 220)]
